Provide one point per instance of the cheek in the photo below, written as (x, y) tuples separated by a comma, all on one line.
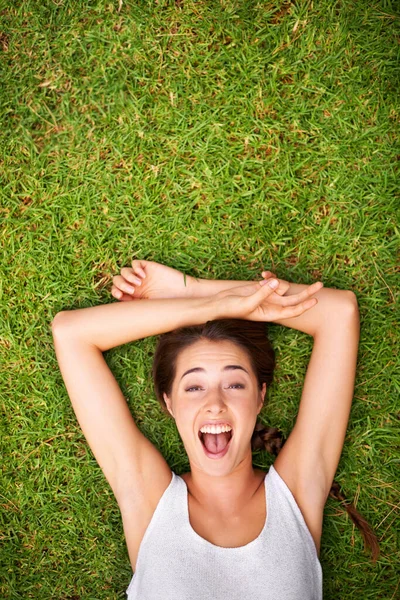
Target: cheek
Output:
[(184, 417), (247, 415)]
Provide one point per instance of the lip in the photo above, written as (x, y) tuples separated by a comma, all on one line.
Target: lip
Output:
[(220, 422)]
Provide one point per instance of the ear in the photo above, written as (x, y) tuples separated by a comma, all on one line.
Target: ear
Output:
[(168, 403), (262, 397)]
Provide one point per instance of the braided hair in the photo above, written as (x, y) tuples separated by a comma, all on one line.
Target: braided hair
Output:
[(272, 440)]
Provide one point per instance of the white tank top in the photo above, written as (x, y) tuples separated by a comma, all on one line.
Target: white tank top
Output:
[(175, 563)]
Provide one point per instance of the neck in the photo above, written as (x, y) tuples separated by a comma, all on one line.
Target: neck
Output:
[(225, 495)]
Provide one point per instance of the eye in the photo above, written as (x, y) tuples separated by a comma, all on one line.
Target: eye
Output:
[(196, 387)]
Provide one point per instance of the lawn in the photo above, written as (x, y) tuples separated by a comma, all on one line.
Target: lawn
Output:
[(221, 138)]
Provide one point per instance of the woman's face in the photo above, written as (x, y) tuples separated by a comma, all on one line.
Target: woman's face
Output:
[(215, 391)]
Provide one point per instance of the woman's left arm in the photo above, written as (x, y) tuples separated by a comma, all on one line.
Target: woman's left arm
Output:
[(309, 459), (332, 305), (330, 301)]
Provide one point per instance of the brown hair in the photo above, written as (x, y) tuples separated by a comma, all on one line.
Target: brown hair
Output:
[(251, 336)]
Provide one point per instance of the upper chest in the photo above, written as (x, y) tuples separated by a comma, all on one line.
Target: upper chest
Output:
[(225, 532), (232, 532)]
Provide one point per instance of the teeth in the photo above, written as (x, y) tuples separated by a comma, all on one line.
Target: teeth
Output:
[(215, 428)]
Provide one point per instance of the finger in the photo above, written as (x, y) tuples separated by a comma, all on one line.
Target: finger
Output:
[(121, 284), (138, 267), (116, 293), (283, 288), (265, 289), (139, 272), (296, 311), (296, 298), (129, 275), (269, 283)]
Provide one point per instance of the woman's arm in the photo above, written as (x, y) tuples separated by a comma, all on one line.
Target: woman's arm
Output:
[(109, 325), (311, 454), (134, 468), (330, 302), (151, 280)]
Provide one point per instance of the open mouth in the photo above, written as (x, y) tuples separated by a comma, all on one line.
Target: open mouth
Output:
[(216, 445)]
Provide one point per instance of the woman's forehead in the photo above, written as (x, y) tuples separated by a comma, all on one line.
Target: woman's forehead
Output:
[(209, 354)]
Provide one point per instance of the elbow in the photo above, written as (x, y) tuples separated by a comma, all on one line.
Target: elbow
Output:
[(350, 309), (59, 323), (351, 302), (351, 297)]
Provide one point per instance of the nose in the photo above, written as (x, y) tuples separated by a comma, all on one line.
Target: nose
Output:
[(215, 403)]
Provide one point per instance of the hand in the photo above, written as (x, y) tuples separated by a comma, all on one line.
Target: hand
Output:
[(147, 279), (259, 302), (280, 290)]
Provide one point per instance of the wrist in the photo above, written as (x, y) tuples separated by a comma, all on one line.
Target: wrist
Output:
[(212, 309), (189, 290), (197, 311), (203, 288), (199, 288)]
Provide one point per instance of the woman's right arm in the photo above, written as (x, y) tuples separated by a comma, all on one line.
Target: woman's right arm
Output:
[(109, 325), (136, 471)]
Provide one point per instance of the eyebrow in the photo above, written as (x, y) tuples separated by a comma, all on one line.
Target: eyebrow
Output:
[(227, 368)]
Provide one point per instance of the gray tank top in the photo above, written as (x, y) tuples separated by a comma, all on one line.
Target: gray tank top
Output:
[(175, 563)]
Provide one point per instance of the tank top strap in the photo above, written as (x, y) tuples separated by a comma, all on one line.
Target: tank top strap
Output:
[(283, 506)]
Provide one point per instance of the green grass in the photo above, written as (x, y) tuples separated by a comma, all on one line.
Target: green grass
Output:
[(220, 138)]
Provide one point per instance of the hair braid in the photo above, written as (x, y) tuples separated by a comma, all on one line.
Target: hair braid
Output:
[(272, 440)]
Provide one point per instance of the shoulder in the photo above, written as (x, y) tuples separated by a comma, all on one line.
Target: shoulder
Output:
[(311, 508), (137, 513)]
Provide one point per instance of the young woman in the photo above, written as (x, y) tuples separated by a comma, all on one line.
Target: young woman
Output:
[(224, 529)]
